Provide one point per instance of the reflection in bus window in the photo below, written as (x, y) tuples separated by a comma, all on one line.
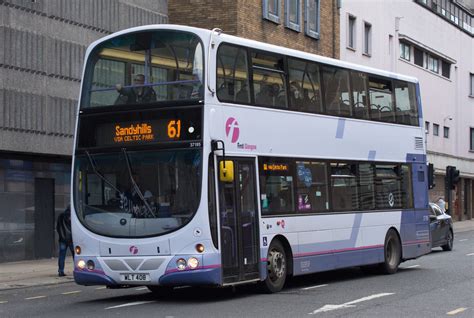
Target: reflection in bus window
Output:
[(387, 187), (269, 80), (276, 188), (336, 91), (305, 89), (311, 187), (366, 186), (381, 99), (406, 103), (232, 75), (144, 67), (359, 94), (344, 190)]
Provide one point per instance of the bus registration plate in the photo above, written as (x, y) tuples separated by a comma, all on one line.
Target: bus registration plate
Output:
[(135, 277)]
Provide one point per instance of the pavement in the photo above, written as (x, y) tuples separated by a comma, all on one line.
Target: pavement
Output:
[(45, 271)]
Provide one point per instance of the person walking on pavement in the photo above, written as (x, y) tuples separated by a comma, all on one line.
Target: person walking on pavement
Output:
[(63, 227)]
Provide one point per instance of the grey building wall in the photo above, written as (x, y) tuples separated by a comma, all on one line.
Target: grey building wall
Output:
[(43, 43)]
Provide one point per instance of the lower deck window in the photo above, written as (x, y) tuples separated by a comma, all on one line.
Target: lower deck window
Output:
[(316, 186)]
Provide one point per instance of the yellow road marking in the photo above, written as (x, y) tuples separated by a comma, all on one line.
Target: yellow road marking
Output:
[(71, 292), (36, 297), (456, 311)]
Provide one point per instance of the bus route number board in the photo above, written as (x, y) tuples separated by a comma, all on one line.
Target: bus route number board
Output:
[(140, 277)]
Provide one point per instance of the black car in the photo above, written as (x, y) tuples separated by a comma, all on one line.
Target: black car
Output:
[(441, 227)]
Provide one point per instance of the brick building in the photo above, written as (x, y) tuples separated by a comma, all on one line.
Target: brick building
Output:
[(306, 25), (41, 57)]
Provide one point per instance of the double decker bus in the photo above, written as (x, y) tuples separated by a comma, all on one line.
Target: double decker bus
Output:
[(206, 159)]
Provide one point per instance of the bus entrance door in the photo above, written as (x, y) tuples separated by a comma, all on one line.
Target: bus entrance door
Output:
[(239, 222)]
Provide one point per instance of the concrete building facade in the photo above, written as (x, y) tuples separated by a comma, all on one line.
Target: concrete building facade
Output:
[(306, 25), (41, 60), (432, 40)]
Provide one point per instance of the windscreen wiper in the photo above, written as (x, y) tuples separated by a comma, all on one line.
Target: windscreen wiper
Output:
[(100, 175), (135, 185)]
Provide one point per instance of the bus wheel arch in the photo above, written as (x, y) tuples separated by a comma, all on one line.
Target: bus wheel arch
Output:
[(279, 265)]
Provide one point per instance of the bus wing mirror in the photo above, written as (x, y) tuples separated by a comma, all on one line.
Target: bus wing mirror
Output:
[(226, 171)]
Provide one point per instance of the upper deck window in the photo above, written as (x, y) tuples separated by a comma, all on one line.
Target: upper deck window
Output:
[(144, 67)]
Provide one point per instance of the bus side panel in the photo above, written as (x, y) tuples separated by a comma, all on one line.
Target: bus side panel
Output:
[(415, 234)]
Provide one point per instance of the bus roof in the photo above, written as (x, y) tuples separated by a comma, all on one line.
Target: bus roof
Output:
[(205, 34)]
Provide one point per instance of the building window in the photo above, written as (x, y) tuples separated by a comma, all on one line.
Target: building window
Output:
[(312, 21), (404, 51), (432, 64), (435, 130), (418, 57), (445, 69), (427, 127), (351, 32), (367, 38), (446, 132), (472, 139), (472, 84), (271, 10), (293, 14)]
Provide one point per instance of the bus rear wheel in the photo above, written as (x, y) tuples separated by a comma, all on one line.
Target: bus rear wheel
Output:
[(392, 253), (277, 268)]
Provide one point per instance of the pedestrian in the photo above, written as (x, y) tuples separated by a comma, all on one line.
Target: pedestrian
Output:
[(63, 227)]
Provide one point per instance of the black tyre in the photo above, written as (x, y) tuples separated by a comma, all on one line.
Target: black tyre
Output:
[(392, 253), (277, 268), (449, 242), (161, 291)]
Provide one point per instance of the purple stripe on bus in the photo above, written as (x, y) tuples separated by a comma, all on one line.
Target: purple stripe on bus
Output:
[(415, 242), (371, 155), (187, 269), (341, 124), (338, 251), (85, 270)]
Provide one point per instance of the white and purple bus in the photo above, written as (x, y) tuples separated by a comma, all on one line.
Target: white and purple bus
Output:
[(207, 159)]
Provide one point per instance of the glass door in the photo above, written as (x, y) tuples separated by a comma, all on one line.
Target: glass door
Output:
[(239, 222)]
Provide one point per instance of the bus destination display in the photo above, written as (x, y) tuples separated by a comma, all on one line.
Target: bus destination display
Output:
[(149, 128)]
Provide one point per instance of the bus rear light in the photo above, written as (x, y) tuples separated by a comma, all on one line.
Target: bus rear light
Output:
[(193, 263), (81, 264), (181, 264), (90, 265), (77, 250), (199, 248)]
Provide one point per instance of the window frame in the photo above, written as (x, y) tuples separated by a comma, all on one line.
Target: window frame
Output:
[(270, 16), (446, 132), (351, 32), (471, 139), (405, 48), (367, 39), (292, 25), (427, 127), (471, 76), (435, 129), (307, 18)]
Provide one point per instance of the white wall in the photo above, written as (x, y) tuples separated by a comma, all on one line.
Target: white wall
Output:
[(441, 97)]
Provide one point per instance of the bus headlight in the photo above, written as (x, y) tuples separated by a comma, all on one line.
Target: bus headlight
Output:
[(77, 250), (193, 263), (181, 264), (81, 264)]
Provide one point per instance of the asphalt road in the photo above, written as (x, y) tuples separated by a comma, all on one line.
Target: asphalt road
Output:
[(440, 284)]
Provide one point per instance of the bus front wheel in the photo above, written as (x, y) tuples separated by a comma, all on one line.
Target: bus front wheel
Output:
[(277, 268), (392, 253)]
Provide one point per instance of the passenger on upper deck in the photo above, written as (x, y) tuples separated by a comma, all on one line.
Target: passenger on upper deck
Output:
[(136, 94)]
